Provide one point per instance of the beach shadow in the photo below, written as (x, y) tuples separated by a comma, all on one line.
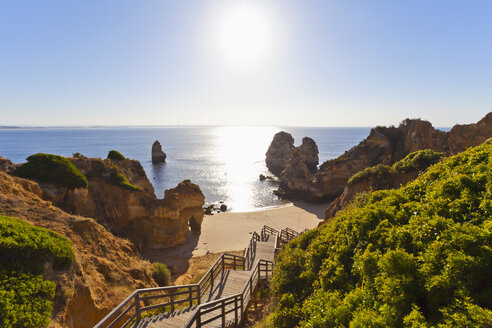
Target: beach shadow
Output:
[(175, 257), (317, 209)]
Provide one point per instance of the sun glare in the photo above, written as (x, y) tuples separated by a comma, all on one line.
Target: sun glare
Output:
[(244, 35)]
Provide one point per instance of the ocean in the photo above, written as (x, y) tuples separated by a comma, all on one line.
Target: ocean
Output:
[(224, 161)]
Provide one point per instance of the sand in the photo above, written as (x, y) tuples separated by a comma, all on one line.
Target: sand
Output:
[(232, 231)]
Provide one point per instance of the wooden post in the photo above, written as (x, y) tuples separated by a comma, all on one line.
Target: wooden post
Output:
[(235, 312), (223, 314), (137, 307), (191, 295), (199, 319), (172, 302)]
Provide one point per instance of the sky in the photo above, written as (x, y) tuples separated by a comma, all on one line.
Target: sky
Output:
[(237, 62)]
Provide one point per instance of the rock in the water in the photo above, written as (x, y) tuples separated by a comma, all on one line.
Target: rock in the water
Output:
[(158, 156), (309, 153), (280, 152), (223, 207), (282, 149), (262, 177)]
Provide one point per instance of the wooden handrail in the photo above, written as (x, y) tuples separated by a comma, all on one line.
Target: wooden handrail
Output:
[(240, 298), (193, 291)]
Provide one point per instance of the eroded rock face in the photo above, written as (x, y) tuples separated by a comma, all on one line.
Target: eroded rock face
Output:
[(386, 145), (279, 152), (105, 270), (135, 214), (309, 152), (158, 156), (352, 190), (282, 149)]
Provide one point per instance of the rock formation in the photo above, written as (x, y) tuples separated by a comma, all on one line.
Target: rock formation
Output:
[(384, 177), (384, 145), (134, 213), (106, 269), (282, 149), (158, 156)]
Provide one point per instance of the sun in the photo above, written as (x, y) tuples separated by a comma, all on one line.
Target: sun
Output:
[(244, 35)]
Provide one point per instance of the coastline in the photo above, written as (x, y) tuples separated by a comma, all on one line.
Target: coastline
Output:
[(231, 231)]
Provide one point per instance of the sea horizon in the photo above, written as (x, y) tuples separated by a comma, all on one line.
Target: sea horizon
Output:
[(225, 161)]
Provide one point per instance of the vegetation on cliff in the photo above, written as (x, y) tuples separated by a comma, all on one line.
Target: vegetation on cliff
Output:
[(161, 274), (118, 179), (418, 256), (52, 169), (116, 155), (416, 161), (25, 297)]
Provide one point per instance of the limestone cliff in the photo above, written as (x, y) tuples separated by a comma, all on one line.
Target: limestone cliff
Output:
[(282, 149), (384, 177), (120, 196), (384, 145), (106, 269)]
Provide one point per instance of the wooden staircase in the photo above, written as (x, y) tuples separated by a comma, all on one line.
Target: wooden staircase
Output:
[(220, 299)]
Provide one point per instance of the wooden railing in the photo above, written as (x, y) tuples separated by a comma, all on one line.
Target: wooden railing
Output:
[(250, 252), (172, 297), (266, 232), (238, 303)]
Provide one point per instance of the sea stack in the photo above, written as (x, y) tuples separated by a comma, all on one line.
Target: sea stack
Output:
[(282, 150), (158, 156)]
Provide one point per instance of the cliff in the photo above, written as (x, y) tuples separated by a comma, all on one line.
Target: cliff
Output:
[(120, 196), (105, 269), (384, 177), (417, 256), (384, 145)]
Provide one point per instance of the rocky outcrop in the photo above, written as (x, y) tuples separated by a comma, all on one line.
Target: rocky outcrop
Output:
[(384, 145), (106, 269), (134, 213), (384, 177), (158, 156), (282, 149)]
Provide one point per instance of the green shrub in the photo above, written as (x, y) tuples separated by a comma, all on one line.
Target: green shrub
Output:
[(25, 297), (22, 244), (52, 169), (118, 179), (161, 274), (416, 161), (116, 155), (418, 256)]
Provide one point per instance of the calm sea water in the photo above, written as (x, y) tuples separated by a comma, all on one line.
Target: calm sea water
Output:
[(224, 161)]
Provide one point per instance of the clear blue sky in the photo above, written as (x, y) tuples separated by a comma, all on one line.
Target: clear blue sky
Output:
[(324, 63)]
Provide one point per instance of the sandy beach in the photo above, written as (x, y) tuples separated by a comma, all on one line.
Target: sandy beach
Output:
[(231, 231)]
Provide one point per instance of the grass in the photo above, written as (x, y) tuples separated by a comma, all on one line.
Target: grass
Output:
[(52, 169)]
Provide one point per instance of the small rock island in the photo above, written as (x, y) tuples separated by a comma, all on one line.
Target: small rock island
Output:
[(158, 156)]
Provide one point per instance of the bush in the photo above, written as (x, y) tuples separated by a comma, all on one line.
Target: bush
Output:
[(416, 161), (418, 256), (116, 155), (161, 274), (118, 179), (52, 169), (25, 297), (21, 243)]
